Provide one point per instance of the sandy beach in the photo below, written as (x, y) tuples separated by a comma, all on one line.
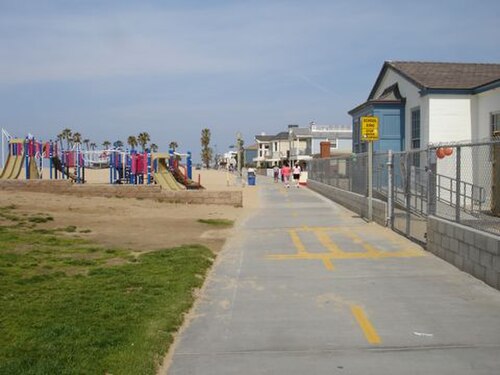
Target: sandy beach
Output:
[(141, 225)]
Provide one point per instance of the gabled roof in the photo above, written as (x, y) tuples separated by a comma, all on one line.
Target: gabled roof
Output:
[(390, 96), (441, 75)]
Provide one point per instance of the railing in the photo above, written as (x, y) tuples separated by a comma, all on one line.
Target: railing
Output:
[(457, 182)]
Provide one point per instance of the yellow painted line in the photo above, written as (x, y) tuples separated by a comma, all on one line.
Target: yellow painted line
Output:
[(303, 254), (366, 326), (370, 249), (328, 264), (297, 242), (326, 241)]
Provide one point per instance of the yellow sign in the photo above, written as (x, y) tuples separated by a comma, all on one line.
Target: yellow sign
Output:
[(369, 128)]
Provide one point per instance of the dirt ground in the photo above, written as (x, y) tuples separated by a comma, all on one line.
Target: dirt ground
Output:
[(139, 225)]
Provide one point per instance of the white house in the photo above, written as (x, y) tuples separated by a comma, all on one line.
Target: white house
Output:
[(339, 136), (419, 103), (430, 102)]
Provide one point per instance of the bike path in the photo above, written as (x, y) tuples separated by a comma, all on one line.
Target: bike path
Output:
[(305, 286)]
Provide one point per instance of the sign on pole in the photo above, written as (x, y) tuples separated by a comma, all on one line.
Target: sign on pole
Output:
[(369, 128), (369, 133)]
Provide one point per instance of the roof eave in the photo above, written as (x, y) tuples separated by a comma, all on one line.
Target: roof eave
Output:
[(377, 102), (387, 65)]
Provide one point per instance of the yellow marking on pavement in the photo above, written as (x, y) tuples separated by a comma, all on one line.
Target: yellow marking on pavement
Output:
[(335, 252), (326, 241), (369, 330), (297, 242), (370, 249), (328, 263), (295, 214)]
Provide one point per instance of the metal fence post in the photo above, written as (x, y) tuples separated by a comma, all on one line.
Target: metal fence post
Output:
[(431, 181), (408, 192), (458, 183), (390, 184)]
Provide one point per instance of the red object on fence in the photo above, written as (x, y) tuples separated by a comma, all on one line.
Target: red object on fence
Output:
[(440, 153), (448, 151)]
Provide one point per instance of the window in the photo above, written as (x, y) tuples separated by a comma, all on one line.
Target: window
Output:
[(333, 144), (415, 128), (415, 135), (495, 124)]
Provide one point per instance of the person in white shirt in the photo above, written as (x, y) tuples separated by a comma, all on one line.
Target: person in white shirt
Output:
[(296, 174)]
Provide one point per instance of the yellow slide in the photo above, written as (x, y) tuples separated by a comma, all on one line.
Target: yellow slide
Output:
[(164, 178), (13, 167), (7, 168), (34, 173)]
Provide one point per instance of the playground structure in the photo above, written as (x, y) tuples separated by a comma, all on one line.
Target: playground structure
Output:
[(125, 167), (22, 153)]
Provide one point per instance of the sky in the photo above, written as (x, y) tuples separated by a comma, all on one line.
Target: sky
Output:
[(111, 69)]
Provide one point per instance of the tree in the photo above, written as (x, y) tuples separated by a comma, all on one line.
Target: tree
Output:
[(154, 147), (143, 139), (173, 145), (206, 151), (60, 138), (86, 143), (118, 144), (132, 141), (67, 134), (93, 146), (106, 144), (77, 137)]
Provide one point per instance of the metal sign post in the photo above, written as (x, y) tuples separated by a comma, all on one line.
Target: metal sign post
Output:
[(369, 133)]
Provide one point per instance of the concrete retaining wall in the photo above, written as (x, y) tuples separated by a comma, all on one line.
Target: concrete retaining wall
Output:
[(231, 198), (352, 201), (472, 251)]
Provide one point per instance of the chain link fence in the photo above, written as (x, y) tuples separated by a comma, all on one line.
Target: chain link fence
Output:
[(457, 182)]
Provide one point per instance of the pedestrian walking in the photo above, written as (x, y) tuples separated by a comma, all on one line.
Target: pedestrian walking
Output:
[(296, 174), (276, 173), (285, 174)]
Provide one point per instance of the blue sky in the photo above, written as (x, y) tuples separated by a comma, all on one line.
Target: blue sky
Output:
[(110, 69)]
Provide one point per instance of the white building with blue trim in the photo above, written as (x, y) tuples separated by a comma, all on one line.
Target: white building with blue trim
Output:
[(431, 102)]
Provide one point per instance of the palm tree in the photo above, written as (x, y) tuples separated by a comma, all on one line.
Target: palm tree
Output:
[(66, 134), (154, 147), (60, 138), (86, 143), (93, 146), (206, 151), (173, 145), (118, 144), (106, 144), (77, 137), (143, 139), (132, 141)]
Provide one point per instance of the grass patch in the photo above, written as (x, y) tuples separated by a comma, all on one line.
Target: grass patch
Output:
[(68, 306), (40, 219), (217, 222)]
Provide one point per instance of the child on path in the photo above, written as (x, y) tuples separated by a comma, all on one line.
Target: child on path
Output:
[(285, 172), (276, 171), (296, 174)]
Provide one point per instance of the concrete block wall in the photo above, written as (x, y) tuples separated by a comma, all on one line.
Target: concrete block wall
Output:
[(352, 201), (472, 251), (154, 192)]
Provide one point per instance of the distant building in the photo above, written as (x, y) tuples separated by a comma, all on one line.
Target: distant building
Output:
[(301, 143), (339, 136), (418, 103)]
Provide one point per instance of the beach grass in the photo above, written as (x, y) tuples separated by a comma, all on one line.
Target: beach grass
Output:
[(70, 306), (217, 222)]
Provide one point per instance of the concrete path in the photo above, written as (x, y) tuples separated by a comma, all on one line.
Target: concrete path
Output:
[(306, 287)]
